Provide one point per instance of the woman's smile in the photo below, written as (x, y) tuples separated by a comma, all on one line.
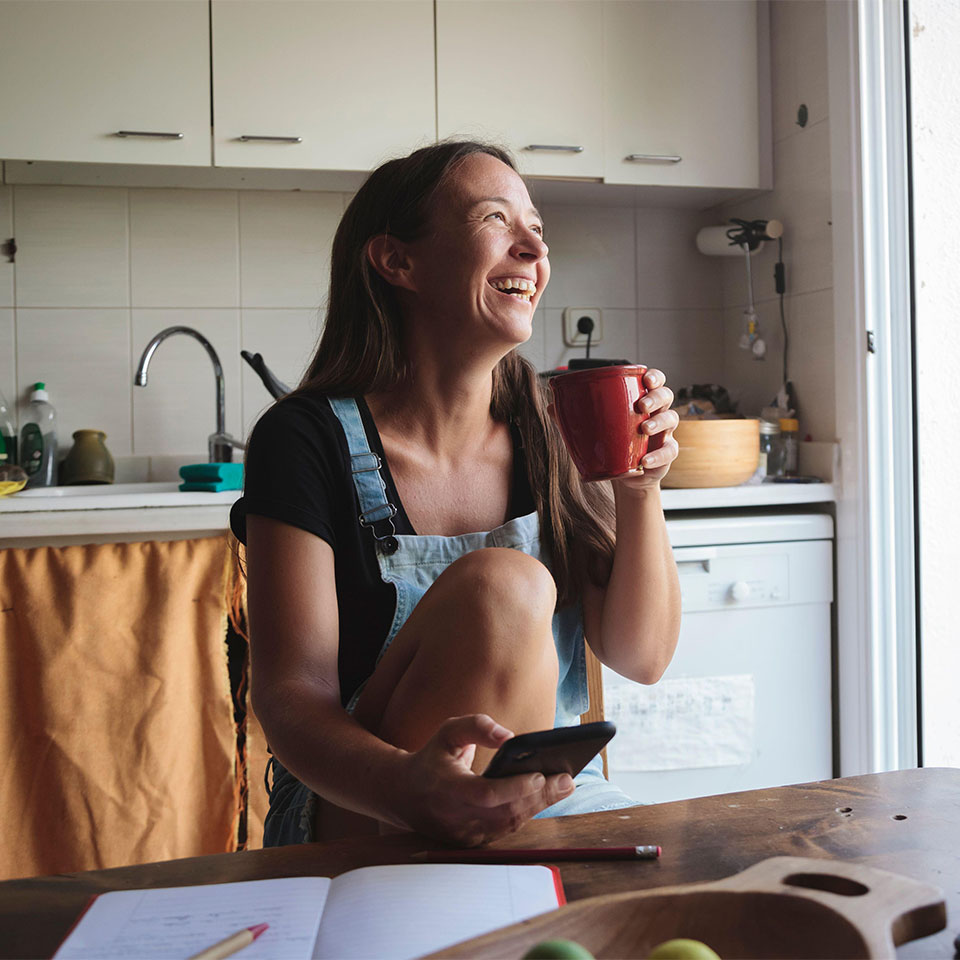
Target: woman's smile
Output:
[(516, 287)]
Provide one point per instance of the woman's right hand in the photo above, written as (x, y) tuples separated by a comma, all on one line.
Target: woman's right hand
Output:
[(447, 800)]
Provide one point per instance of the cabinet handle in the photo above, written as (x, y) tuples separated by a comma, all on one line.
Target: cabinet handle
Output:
[(652, 158), (149, 133), (562, 148), (247, 138)]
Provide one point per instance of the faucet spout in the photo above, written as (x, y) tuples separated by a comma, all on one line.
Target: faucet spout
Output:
[(219, 452)]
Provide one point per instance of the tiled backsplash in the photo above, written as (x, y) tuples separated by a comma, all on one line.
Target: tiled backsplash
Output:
[(99, 270)]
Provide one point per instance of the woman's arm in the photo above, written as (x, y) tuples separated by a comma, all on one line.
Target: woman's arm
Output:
[(294, 639), (633, 623)]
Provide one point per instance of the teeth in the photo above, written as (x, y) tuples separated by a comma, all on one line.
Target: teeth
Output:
[(519, 287)]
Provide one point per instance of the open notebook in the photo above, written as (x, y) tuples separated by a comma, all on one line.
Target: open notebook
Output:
[(397, 911)]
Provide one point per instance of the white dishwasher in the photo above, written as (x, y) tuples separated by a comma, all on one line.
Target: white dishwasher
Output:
[(746, 702)]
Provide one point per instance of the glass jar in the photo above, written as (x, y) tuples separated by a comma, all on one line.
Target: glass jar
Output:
[(770, 459), (790, 444)]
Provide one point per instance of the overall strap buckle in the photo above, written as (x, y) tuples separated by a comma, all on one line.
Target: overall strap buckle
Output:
[(380, 522)]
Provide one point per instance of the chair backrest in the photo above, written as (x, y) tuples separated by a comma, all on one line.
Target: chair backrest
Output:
[(595, 690)]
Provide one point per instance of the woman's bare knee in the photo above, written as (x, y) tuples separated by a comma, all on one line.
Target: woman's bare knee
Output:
[(480, 640), (506, 579)]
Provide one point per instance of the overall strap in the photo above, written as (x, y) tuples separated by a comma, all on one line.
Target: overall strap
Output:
[(376, 511)]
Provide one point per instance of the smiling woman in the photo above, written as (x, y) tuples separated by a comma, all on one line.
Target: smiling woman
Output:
[(422, 557)]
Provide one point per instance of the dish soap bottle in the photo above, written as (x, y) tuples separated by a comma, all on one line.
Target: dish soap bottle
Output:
[(8, 435), (38, 440)]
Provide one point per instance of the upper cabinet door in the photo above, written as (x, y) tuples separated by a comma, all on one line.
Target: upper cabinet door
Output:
[(105, 81), (321, 84), (526, 74), (681, 92)]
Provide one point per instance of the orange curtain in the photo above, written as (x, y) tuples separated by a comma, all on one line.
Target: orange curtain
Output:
[(117, 738), (255, 752)]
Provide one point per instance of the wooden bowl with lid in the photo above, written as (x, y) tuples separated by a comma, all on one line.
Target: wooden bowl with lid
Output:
[(714, 453)]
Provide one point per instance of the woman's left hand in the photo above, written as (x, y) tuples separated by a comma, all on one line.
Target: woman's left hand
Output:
[(663, 449)]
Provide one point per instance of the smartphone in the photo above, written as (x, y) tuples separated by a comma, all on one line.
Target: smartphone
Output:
[(562, 750)]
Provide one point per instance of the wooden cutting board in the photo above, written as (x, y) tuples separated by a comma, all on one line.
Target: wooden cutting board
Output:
[(783, 907)]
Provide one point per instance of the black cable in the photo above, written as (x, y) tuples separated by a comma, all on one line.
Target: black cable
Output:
[(585, 325), (780, 281)]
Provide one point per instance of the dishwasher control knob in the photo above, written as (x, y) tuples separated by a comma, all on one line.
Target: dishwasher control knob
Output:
[(740, 590)]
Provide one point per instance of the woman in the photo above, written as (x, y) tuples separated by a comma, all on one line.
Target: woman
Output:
[(420, 552)]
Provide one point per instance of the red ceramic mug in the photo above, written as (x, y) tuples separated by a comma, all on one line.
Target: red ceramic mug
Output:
[(599, 415)]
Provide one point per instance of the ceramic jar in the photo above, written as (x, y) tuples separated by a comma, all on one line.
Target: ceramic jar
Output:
[(88, 461)]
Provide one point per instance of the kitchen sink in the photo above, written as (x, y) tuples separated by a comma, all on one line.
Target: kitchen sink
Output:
[(100, 489), (111, 496)]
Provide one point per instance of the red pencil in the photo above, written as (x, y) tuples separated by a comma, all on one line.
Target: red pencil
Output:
[(482, 855)]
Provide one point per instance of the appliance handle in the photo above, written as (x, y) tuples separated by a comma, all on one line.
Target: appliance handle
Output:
[(690, 558)]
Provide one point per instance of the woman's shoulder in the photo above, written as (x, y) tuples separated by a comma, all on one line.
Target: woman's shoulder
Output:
[(302, 422), (298, 411)]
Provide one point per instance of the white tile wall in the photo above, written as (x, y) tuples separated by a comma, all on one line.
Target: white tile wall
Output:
[(176, 411), (686, 344), (82, 357), (184, 248), (812, 363), (285, 241), (591, 257), (286, 339), (671, 273), (8, 356), (6, 232), (71, 247)]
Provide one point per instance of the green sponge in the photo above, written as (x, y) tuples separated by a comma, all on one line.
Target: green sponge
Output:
[(212, 477)]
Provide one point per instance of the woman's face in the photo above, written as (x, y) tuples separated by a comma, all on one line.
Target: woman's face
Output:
[(481, 265)]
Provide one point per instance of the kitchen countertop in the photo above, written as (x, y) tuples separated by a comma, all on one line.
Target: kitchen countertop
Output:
[(62, 515)]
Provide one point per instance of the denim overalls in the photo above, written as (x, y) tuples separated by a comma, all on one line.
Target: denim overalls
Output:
[(412, 563)]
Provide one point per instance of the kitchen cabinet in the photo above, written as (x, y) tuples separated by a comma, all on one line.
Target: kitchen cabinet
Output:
[(528, 74), (321, 84), (681, 93), (76, 76)]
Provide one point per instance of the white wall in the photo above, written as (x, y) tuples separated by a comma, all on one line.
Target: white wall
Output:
[(935, 83), (801, 200)]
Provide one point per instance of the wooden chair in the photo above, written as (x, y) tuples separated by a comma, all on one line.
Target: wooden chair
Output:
[(595, 689)]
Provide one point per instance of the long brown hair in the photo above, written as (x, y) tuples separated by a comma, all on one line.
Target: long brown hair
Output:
[(360, 352)]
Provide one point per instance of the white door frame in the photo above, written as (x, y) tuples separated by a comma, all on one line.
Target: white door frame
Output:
[(876, 603)]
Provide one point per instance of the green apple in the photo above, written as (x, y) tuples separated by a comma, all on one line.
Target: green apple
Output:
[(681, 949), (558, 950)]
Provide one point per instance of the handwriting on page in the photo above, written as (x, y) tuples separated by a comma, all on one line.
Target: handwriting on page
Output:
[(680, 723), (180, 921)]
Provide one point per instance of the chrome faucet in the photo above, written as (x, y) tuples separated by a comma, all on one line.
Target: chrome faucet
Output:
[(220, 445)]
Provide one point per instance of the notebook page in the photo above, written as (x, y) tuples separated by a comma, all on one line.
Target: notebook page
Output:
[(177, 922), (402, 911)]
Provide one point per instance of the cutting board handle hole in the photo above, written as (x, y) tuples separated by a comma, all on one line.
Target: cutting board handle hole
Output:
[(827, 882), (899, 816)]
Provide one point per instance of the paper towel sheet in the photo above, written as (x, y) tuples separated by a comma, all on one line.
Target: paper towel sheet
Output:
[(682, 723)]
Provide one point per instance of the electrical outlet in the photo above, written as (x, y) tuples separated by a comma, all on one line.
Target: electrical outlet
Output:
[(572, 337)]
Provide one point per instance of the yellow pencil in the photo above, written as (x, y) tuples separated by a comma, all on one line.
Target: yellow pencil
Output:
[(232, 944)]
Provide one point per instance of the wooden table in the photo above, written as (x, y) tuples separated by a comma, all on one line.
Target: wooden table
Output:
[(906, 821)]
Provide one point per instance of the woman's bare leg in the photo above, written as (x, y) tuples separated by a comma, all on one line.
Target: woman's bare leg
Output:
[(480, 641)]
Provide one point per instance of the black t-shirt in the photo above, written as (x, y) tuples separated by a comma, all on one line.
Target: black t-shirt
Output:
[(298, 471)]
